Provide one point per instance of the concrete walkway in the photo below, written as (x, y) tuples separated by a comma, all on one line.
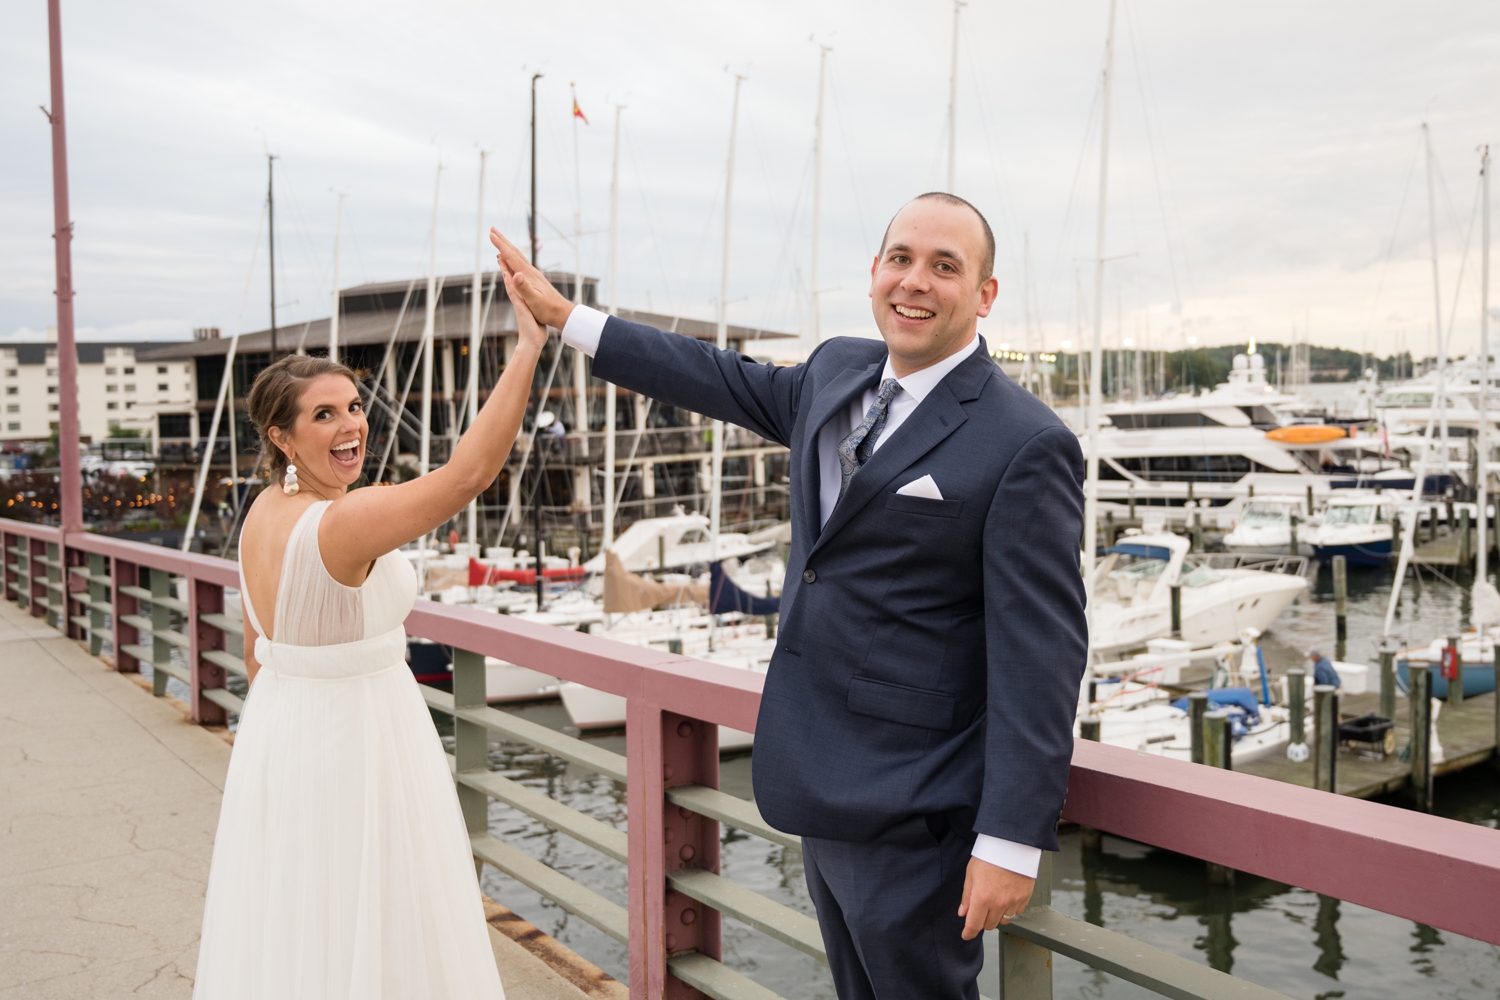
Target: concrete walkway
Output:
[(108, 803)]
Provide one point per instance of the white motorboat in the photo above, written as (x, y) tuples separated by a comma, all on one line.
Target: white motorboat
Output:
[(1265, 525), (1132, 595), (657, 543), (1358, 526)]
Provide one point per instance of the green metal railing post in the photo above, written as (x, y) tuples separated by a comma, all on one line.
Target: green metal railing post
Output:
[(161, 621), (1026, 968), (98, 597), (471, 742)]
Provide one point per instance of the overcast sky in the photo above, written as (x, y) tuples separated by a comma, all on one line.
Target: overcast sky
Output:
[(1265, 167)]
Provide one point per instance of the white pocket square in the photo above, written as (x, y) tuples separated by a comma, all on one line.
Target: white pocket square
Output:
[(924, 487)]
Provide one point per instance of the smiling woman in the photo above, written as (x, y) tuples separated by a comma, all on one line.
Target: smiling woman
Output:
[(337, 770)]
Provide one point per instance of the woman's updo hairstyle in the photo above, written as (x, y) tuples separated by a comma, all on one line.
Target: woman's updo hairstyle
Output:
[(276, 398)]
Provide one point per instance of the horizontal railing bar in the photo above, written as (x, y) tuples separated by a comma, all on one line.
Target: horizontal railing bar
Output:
[(170, 669), (57, 586), (738, 813), (82, 621), (83, 571), (605, 762), (1123, 956), (143, 624), (749, 907), (610, 918), (1434, 871), (139, 652), (223, 623), (142, 594), (103, 606), (54, 563), (228, 661), (716, 979), (581, 827), (225, 699)]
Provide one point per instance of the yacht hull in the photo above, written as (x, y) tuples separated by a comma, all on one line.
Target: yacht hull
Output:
[(1356, 554)]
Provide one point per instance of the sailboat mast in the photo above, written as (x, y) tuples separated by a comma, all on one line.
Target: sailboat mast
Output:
[(817, 200), (531, 217), (614, 301), (953, 102), (429, 324), (716, 499), (333, 318), (1437, 301), (271, 241), (1096, 350), (471, 516), (1482, 567), (580, 371)]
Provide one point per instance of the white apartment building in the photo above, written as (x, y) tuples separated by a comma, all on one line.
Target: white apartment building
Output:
[(114, 390)]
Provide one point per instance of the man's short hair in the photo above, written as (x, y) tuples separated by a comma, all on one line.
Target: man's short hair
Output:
[(987, 266)]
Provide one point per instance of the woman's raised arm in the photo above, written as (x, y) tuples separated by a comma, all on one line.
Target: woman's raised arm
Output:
[(364, 525)]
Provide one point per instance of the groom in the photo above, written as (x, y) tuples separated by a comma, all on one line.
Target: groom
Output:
[(917, 722)]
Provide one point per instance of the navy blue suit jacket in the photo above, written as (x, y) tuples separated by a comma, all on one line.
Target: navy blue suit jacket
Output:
[(930, 651)]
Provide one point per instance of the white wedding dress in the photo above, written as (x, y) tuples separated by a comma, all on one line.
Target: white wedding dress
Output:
[(341, 869)]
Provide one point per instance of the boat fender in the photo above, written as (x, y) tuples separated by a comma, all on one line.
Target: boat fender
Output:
[(1297, 752)]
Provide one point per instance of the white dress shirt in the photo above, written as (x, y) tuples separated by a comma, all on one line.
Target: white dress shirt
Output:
[(582, 332)]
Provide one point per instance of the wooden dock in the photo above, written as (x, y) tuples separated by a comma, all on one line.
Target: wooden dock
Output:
[(1466, 733)]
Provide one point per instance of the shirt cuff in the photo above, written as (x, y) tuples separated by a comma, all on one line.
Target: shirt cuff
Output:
[(583, 329), (1013, 857)]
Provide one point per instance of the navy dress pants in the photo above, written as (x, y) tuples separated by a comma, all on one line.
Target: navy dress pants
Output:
[(888, 909)]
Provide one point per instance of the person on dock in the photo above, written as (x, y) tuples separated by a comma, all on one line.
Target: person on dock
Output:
[(1323, 671), (916, 726), (341, 866)]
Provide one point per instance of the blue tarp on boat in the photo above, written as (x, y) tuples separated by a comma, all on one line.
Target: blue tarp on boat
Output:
[(1231, 698)]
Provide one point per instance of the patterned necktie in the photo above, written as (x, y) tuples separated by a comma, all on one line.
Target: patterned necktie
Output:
[(854, 450)]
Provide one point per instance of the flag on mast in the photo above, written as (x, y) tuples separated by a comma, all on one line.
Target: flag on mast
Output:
[(578, 112)]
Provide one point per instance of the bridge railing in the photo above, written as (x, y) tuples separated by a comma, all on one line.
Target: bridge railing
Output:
[(112, 592)]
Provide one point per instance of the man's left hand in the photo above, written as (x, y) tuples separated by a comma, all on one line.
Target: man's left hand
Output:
[(992, 896)]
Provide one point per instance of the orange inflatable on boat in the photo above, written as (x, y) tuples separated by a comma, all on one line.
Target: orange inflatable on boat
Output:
[(1306, 434)]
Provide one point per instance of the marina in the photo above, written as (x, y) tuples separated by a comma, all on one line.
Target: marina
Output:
[(1284, 778)]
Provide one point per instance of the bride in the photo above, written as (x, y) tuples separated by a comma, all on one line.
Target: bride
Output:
[(341, 868)]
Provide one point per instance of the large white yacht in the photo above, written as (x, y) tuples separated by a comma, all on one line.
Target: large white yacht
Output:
[(1244, 436)]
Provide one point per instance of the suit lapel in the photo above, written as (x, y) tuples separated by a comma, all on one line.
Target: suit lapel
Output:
[(834, 399), (938, 416)]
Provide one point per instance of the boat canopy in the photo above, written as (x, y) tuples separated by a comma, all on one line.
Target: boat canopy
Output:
[(1142, 551)]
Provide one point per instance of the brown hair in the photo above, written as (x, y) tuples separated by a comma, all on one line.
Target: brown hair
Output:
[(276, 398), (987, 264)]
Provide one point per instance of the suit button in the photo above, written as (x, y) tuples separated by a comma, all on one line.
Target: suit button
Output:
[(808, 576)]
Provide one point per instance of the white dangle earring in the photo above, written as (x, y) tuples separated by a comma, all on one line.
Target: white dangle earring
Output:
[(289, 482)]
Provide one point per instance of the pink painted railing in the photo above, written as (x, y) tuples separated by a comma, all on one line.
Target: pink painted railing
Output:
[(1435, 871)]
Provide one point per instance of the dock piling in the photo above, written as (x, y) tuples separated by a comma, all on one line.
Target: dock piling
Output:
[(1293, 540), (1296, 699), (1419, 693), (1197, 531), (1197, 710), (1341, 599), (1387, 680), (771, 621), (1132, 501), (1325, 737), (1109, 529), (1176, 591), (1309, 500), (1218, 739), (1456, 682), (1465, 542)]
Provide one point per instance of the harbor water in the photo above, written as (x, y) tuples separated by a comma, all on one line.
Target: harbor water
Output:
[(1297, 942)]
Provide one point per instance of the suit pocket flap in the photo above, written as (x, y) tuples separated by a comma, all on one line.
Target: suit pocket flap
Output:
[(899, 703), (923, 505)]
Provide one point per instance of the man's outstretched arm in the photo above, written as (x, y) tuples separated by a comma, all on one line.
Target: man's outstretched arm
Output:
[(677, 370)]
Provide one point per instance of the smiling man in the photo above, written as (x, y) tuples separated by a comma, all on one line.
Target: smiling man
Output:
[(917, 723)]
